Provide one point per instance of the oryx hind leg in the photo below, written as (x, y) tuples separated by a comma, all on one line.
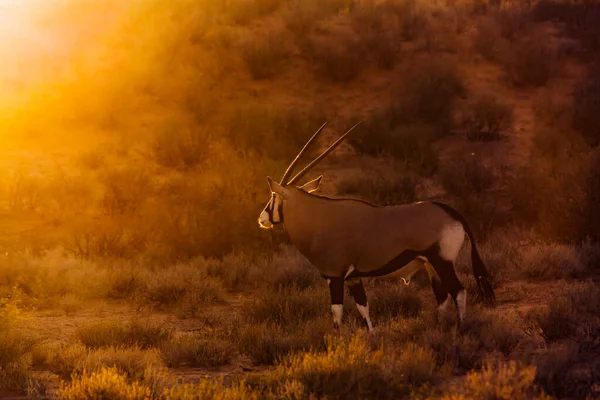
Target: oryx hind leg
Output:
[(449, 282), (357, 290), (439, 290)]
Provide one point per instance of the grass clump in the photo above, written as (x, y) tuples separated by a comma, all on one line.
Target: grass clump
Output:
[(268, 343), (14, 349), (585, 107), (340, 60), (380, 189), (181, 147), (394, 299), (285, 306), (488, 120), (116, 333), (501, 381), (573, 313), (212, 390), (350, 369), (551, 261), (264, 55), (107, 383), (193, 351), (532, 63)]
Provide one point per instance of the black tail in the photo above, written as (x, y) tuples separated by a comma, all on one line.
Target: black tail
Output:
[(486, 292)]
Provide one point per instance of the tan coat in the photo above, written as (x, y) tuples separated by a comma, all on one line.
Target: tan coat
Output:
[(334, 234)]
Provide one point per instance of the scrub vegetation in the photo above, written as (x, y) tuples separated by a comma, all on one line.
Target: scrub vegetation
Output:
[(131, 262)]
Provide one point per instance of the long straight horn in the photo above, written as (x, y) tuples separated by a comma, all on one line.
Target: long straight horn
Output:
[(323, 155), (289, 169)]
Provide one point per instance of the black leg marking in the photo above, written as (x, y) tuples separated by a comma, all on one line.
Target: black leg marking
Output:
[(357, 290), (438, 289), (336, 293)]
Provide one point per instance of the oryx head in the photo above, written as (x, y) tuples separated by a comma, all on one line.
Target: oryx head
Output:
[(272, 214)]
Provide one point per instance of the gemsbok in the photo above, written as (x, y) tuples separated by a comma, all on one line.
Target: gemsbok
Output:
[(349, 239)]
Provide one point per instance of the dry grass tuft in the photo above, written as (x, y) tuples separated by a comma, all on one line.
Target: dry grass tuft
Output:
[(118, 333)]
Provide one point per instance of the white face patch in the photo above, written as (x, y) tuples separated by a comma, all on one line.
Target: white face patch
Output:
[(338, 311), (270, 215), (452, 239), (364, 311), (461, 303), (263, 220), (275, 207)]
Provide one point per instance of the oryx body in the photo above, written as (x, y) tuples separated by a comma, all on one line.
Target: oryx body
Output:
[(347, 239)]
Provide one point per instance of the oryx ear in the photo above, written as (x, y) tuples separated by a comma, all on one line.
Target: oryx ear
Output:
[(274, 186), (312, 185)]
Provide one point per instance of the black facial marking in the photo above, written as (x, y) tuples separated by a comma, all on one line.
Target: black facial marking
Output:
[(270, 210)]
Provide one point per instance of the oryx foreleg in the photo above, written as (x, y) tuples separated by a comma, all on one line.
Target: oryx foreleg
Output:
[(357, 290), (336, 292)]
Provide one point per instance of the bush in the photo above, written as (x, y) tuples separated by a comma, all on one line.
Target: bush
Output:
[(268, 343), (488, 120), (504, 381), (411, 19), (194, 351), (125, 190), (430, 92), (380, 189), (285, 306), (350, 369), (373, 24), (557, 371), (264, 55), (532, 63), (108, 383), (212, 390), (288, 268), (409, 143), (394, 299), (586, 103), (181, 147), (105, 238), (551, 261), (117, 333), (467, 176), (340, 59), (574, 313), (25, 191)]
